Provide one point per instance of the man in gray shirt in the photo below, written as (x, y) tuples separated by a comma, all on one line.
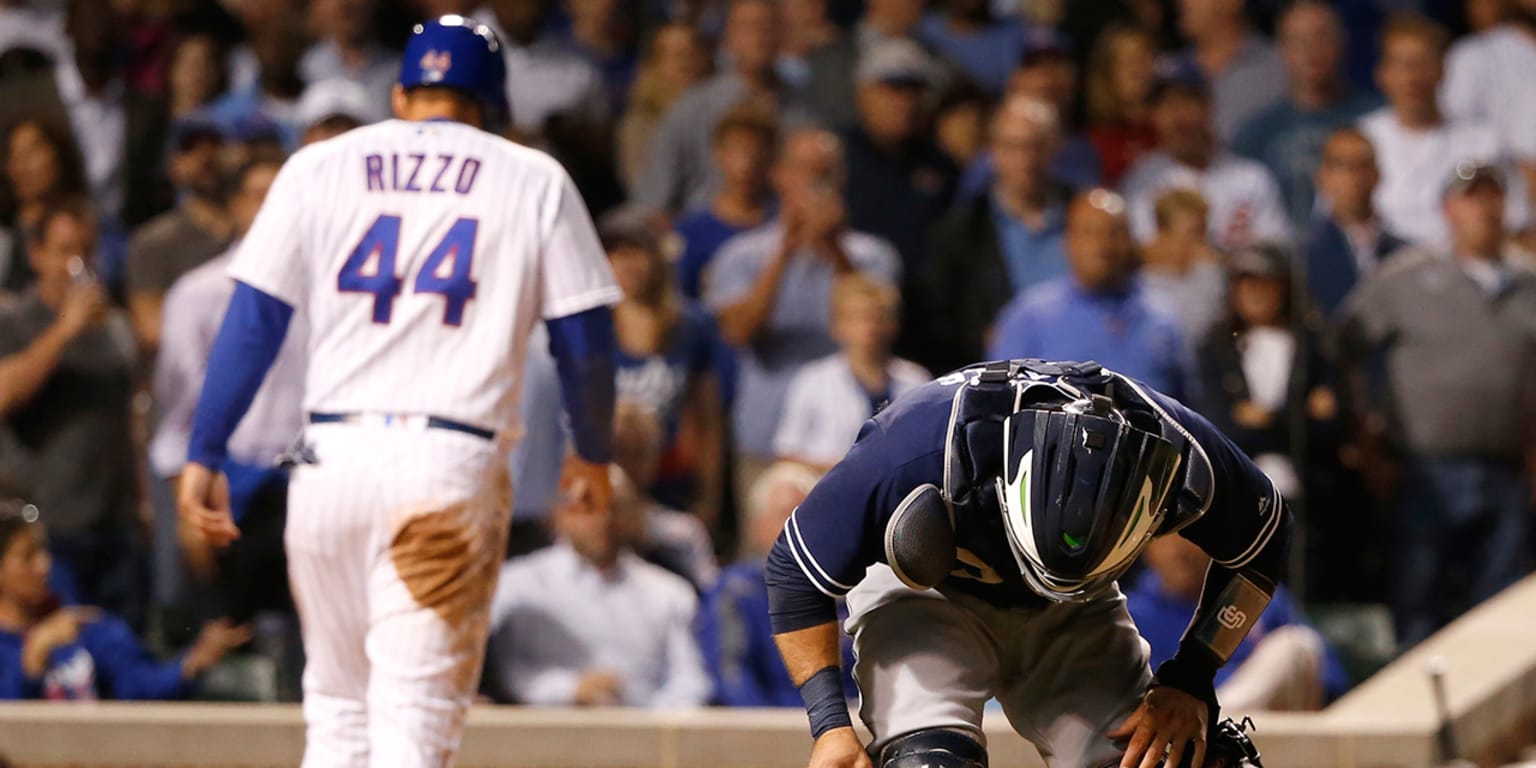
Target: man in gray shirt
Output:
[(66, 377), (1458, 332), (1245, 72), (681, 173), (770, 289)]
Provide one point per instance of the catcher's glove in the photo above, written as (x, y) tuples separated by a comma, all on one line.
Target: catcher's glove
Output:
[(1230, 746)]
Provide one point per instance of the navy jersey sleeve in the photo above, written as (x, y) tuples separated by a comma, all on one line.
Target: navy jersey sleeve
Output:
[(839, 530), (1242, 510)]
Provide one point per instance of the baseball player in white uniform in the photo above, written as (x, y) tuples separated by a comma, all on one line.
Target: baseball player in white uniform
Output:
[(421, 251)]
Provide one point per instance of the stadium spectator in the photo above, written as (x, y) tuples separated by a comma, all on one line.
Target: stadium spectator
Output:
[(889, 20), (673, 62), (1346, 239), (1117, 96), (1256, 371), (107, 118), (197, 75), (984, 48), (586, 622), (34, 25), (1288, 137), (744, 143), (1099, 311), (81, 653), (817, 59), (1488, 81), (1047, 71), (41, 166), (271, 99), (960, 123), (1416, 144), (330, 108), (177, 241), (1179, 270), (535, 462), (898, 182), (770, 289), (1455, 325), (1000, 244), (1283, 663), (1245, 202), (67, 361), (673, 539), (347, 50), (1245, 72), (829, 91), (597, 32), (831, 398), (665, 364), (679, 174), (545, 76), (251, 574), (733, 629)]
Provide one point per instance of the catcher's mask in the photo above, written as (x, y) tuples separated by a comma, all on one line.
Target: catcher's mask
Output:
[(1081, 494)]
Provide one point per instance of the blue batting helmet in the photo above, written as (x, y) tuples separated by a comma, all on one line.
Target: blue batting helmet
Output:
[(458, 53)]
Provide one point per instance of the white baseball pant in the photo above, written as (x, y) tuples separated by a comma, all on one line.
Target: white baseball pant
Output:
[(395, 539)]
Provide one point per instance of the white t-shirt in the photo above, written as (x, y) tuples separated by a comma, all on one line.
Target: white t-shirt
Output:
[(422, 254), (1414, 166), (1490, 78), (826, 406), (194, 309), (1244, 199)]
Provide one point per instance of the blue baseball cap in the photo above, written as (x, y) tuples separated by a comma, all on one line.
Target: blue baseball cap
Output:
[(1043, 42), (1180, 73), (461, 54)]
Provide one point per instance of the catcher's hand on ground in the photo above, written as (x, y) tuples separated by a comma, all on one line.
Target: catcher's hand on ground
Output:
[(1169, 721), (840, 748), (202, 503)]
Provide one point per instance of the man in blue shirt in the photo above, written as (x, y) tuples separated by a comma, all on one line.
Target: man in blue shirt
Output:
[(1099, 311), (1292, 668), (743, 149), (1288, 137)]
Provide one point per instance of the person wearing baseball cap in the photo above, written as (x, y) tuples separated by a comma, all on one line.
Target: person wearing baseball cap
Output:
[(899, 183), (332, 107), (1245, 202), (1454, 324)]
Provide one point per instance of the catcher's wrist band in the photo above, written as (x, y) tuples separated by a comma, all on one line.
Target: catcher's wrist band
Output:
[(1222, 627), (824, 703)]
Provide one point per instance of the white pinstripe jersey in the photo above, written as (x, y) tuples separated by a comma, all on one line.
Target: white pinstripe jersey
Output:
[(422, 254)]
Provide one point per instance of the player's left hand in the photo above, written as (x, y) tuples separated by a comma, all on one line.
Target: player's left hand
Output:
[(586, 483), (1167, 721), (203, 504)]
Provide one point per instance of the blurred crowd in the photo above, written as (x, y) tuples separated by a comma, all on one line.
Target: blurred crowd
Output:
[(1311, 221)]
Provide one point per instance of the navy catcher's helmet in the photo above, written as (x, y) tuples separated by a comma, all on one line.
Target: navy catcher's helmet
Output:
[(461, 54), (1082, 493)]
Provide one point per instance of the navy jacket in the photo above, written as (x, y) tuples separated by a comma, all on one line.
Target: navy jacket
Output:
[(1331, 270)]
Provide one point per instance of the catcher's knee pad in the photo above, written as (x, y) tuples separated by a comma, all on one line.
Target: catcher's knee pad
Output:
[(934, 748), (1229, 747)]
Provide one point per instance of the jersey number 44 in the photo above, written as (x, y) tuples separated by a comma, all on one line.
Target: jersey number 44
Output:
[(446, 272)]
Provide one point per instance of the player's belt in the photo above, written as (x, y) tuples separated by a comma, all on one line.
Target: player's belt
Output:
[(402, 420)]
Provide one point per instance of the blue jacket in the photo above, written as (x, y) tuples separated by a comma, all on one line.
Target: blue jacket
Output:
[(1162, 618), (105, 662)]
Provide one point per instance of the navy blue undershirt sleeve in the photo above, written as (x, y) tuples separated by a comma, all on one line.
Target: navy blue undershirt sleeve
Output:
[(583, 346), (248, 341)]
